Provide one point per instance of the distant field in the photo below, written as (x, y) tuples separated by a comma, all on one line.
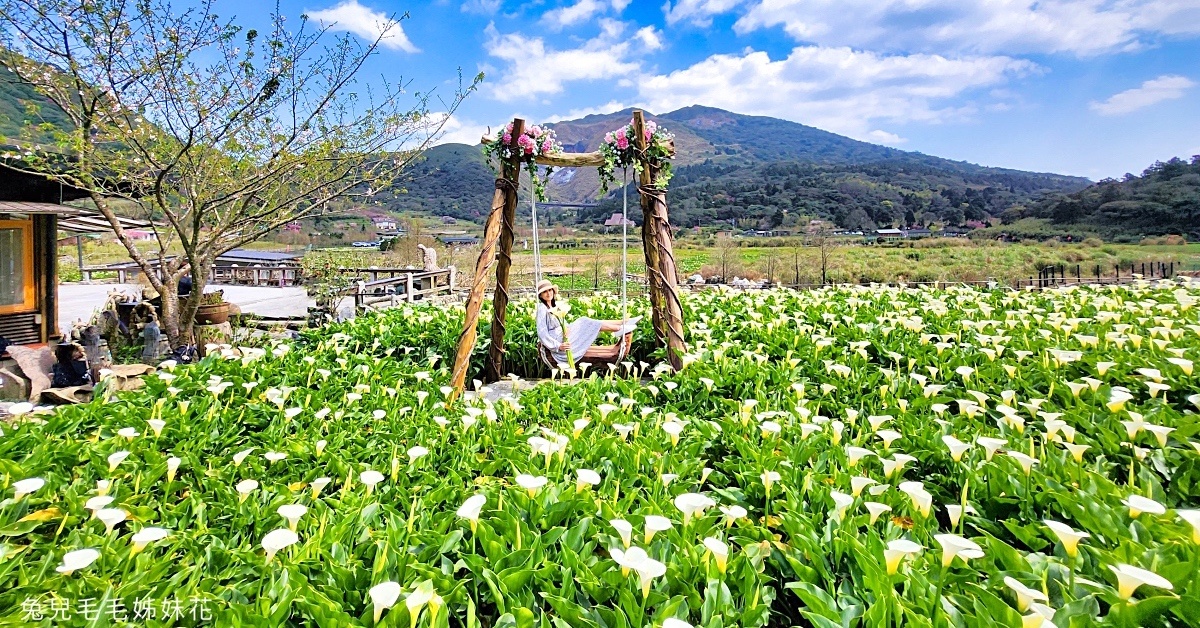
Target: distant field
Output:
[(967, 261), (932, 260)]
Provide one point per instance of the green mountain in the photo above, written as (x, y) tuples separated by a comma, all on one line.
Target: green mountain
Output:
[(763, 172), (448, 180), (751, 171), (1164, 200), (22, 109)]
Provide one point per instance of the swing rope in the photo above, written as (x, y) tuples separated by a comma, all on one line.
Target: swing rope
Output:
[(624, 245), (537, 249)]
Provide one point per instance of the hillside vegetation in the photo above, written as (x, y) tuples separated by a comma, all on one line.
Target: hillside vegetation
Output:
[(758, 172), (1164, 200), (21, 109)]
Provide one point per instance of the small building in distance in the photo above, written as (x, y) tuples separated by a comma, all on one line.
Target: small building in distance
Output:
[(449, 220), (889, 234), (385, 225), (140, 235), (616, 220), (458, 240)]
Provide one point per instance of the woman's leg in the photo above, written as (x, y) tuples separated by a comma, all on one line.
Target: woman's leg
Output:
[(610, 325)]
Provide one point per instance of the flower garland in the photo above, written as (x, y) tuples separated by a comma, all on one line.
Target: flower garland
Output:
[(620, 151), (533, 142)]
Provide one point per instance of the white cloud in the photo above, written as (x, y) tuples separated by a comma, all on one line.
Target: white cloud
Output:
[(650, 37), (1080, 27), (698, 12), (575, 114), (535, 69), (485, 7), (839, 89), (573, 14), (1154, 91), (880, 136), (457, 130), (580, 12), (370, 25)]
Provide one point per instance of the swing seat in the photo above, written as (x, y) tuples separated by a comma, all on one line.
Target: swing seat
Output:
[(613, 354)]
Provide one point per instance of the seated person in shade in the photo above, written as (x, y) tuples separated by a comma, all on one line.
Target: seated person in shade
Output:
[(70, 366), (581, 334)]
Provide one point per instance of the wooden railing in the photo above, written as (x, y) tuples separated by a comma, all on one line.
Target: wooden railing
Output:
[(399, 285), (280, 276)]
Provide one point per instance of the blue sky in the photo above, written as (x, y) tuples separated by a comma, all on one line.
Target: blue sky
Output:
[(1095, 88)]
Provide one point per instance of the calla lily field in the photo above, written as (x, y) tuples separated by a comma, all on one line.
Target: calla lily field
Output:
[(847, 456)]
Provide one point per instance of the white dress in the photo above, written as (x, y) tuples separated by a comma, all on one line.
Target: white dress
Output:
[(582, 334)]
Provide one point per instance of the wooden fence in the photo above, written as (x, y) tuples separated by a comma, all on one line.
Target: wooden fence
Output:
[(395, 285)]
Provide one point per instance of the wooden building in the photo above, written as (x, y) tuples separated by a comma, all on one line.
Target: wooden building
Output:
[(29, 210)]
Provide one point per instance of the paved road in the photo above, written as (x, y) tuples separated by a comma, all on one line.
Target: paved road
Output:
[(79, 301)]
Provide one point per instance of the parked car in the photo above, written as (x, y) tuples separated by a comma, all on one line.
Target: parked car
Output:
[(365, 245)]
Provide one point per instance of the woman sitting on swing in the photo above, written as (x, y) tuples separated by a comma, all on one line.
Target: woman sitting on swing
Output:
[(581, 334)]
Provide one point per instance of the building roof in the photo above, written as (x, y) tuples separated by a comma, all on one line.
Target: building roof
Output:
[(22, 207), (458, 239), (895, 232), (246, 256), (85, 222), (615, 221)]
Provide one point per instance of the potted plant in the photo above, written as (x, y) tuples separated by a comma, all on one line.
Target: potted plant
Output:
[(213, 309)]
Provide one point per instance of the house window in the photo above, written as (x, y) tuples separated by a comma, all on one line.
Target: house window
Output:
[(17, 293)]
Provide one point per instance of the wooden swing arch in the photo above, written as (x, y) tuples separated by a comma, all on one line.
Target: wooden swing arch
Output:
[(657, 245)]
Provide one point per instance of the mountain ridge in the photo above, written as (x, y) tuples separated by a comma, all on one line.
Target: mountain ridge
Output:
[(757, 170)]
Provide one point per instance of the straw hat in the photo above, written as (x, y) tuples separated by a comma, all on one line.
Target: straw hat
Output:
[(545, 285)]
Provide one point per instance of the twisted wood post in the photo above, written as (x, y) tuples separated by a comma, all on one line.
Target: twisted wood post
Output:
[(662, 275), (506, 186), (512, 170)]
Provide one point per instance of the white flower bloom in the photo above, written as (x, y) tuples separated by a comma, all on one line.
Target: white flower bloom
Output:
[(654, 525), (954, 545), (624, 529), (531, 483), (1138, 505), (76, 560), (1025, 595), (240, 456), (471, 508), (98, 502), (292, 512), (111, 518), (319, 484), (691, 504), (1193, 518), (1129, 578), (876, 509), (719, 550), (922, 500), (957, 448), (1068, 536), (24, 487), (116, 459), (278, 539), (416, 452), (370, 478), (149, 535), (732, 514), (896, 551)]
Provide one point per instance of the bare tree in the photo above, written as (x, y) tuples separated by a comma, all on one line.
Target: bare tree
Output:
[(824, 239), (726, 249), (217, 133)]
